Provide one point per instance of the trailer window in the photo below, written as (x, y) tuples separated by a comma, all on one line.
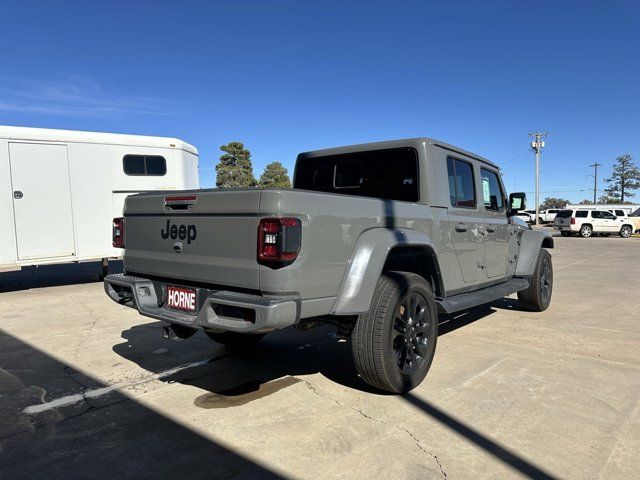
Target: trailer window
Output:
[(391, 174), (144, 165)]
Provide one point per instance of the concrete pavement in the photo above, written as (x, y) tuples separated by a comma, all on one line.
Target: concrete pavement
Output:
[(89, 389)]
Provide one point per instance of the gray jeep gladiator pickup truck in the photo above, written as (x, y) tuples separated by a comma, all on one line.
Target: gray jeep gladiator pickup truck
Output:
[(376, 239)]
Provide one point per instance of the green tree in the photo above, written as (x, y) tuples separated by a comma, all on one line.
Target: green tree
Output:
[(586, 202), (551, 202), (234, 168), (275, 176), (606, 199), (624, 178)]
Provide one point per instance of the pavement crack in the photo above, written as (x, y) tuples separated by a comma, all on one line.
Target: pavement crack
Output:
[(83, 387), (86, 331), (419, 445), (411, 435)]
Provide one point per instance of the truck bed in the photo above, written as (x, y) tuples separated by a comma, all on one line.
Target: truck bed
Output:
[(224, 251)]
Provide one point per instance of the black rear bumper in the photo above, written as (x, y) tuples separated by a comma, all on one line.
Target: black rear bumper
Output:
[(217, 310)]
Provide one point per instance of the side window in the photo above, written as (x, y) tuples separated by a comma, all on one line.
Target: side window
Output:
[(144, 165), (607, 215), (581, 214), (491, 190), (596, 214), (462, 191), (619, 213)]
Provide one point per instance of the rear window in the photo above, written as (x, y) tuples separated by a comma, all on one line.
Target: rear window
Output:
[(144, 165), (581, 214), (564, 214), (391, 174)]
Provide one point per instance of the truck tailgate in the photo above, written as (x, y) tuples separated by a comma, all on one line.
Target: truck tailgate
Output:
[(200, 236)]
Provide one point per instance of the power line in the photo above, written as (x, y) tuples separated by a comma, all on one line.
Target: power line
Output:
[(502, 152), (513, 159), (560, 191), (562, 180)]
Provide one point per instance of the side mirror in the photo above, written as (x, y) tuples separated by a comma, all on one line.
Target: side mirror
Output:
[(517, 202)]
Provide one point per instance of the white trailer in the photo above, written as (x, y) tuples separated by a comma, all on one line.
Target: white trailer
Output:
[(60, 189)]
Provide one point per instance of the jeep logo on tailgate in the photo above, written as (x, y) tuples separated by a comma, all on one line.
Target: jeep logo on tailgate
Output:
[(183, 232)]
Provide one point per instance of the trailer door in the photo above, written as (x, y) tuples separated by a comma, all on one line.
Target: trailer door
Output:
[(41, 200)]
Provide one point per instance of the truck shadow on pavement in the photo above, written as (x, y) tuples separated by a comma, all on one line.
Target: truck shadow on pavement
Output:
[(287, 352), (232, 379), (112, 436)]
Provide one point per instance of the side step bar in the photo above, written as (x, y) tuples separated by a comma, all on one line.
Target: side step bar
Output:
[(463, 301)]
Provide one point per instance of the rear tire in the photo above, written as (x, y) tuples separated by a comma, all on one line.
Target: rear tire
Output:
[(393, 344), (537, 296), (626, 231), (586, 231), (236, 341)]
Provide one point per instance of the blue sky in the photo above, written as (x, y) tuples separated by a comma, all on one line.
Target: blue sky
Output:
[(290, 76)]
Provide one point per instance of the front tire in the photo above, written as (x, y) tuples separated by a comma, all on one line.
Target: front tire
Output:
[(236, 341), (537, 296), (393, 344), (586, 231)]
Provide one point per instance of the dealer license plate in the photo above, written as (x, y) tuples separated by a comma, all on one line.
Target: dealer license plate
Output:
[(181, 298)]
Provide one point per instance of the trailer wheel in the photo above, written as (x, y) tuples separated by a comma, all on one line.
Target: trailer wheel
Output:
[(394, 343), (236, 341)]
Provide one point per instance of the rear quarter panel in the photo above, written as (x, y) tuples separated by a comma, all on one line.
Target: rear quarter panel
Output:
[(331, 226)]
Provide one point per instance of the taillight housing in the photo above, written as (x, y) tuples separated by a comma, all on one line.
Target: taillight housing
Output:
[(117, 234), (573, 221), (279, 241)]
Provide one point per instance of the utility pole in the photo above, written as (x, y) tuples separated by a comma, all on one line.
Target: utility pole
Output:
[(537, 145), (595, 180)]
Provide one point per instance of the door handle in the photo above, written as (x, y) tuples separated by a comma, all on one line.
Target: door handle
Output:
[(17, 195), (461, 227)]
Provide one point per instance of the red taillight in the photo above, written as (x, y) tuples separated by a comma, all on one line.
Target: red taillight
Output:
[(118, 232), (573, 221), (279, 241)]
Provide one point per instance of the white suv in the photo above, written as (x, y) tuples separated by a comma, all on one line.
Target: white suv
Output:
[(548, 216), (587, 222)]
